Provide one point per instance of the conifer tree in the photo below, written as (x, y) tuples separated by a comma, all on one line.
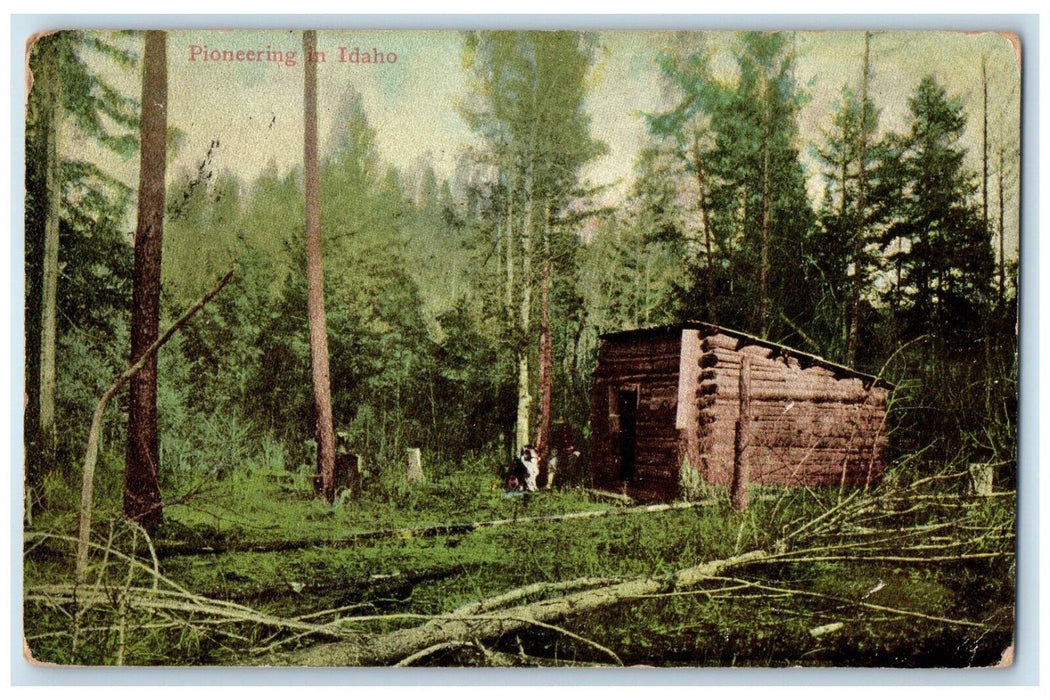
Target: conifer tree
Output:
[(324, 431), (755, 201), (939, 243), (142, 501)]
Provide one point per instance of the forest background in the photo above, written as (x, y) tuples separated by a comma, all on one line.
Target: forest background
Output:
[(709, 176)]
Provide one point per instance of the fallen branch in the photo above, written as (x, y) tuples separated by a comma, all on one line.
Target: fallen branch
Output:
[(573, 635), (87, 488), (489, 604), (860, 603), (151, 600), (395, 646), (896, 559), (409, 660)]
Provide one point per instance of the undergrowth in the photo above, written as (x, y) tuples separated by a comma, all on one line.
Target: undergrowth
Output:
[(815, 611)]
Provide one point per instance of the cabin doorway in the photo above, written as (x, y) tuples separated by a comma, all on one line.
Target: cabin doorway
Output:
[(627, 408)]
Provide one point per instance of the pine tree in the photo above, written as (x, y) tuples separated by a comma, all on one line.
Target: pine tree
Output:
[(842, 250), (324, 431), (940, 247), (142, 502), (755, 202)]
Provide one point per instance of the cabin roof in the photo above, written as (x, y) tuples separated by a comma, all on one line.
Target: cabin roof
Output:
[(805, 359)]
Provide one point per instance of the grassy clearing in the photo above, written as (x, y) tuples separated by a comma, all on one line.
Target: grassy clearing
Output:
[(866, 610)]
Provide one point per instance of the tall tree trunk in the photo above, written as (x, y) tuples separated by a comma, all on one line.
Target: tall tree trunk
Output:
[(986, 230), (525, 315), (843, 208), (1002, 234), (859, 232), (43, 112), (527, 237), (984, 144), (508, 289), (897, 295), (324, 431), (49, 292), (500, 226), (142, 502), (701, 187), (577, 351), (763, 272), (546, 360), (510, 313)]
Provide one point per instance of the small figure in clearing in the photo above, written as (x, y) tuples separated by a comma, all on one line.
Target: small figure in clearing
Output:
[(563, 456), (514, 481), (552, 468), (560, 457), (518, 475), (523, 471), (530, 460)]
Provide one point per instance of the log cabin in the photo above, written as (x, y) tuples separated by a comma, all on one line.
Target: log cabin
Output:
[(695, 396)]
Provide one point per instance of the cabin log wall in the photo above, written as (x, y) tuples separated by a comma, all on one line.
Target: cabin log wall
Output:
[(810, 422), (808, 426)]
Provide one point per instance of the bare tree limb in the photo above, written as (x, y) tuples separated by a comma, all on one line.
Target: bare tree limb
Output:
[(91, 454), (516, 594), (396, 645), (423, 653), (861, 603)]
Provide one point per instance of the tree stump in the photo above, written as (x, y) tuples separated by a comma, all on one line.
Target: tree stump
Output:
[(981, 478), (414, 472), (347, 472)]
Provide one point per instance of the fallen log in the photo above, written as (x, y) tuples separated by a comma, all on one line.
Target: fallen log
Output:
[(175, 549), (393, 647)]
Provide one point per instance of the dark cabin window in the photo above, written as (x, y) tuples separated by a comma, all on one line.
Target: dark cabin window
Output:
[(627, 407)]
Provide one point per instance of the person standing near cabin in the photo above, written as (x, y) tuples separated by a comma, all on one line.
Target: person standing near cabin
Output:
[(530, 461), (552, 468), (523, 471), (561, 458)]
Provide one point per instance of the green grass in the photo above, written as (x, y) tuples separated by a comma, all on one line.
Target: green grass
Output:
[(430, 575), (280, 505)]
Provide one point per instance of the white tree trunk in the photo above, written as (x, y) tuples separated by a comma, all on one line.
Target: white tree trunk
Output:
[(49, 296)]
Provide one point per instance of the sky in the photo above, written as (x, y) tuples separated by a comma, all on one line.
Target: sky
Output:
[(253, 104)]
